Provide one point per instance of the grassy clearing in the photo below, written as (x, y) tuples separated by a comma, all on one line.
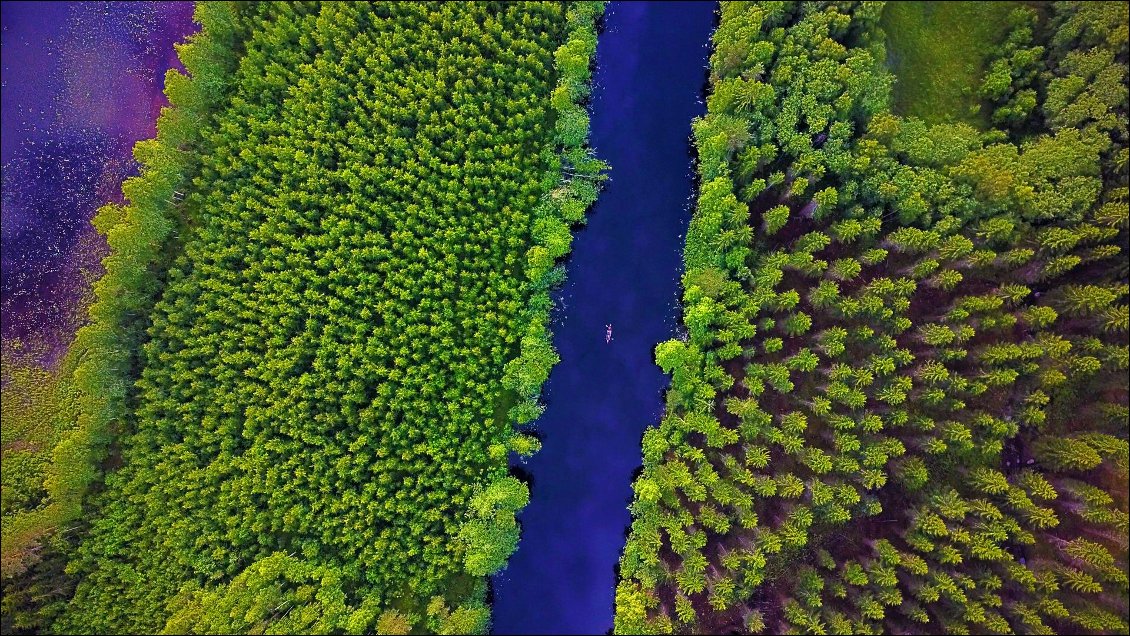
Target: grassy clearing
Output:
[(937, 50), (29, 403)]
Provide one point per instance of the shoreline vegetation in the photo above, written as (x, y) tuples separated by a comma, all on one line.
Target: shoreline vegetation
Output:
[(901, 403), (149, 398), (323, 330), (99, 365)]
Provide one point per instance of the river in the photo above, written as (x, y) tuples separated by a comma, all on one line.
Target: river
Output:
[(624, 271)]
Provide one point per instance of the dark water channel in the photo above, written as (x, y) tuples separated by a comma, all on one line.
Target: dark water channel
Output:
[(624, 271)]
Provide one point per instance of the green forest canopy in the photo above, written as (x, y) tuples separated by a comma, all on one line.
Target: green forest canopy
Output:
[(332, 271), (901, 402)]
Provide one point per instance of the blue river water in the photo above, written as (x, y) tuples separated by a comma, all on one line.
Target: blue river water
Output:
[(624, 271)]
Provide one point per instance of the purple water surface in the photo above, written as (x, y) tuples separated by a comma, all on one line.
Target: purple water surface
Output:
[(82, 82)]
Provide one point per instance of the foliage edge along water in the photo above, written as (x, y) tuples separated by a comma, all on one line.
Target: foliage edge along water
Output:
[(902, 402), (225, 417)]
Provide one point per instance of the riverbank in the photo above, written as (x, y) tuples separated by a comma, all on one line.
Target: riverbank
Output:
[(624, 271)]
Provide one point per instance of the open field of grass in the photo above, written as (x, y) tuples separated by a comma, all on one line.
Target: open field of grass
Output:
[(937, 50)]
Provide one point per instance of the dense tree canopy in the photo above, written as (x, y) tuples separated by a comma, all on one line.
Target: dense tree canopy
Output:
[(366, 203), (901, 402)]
